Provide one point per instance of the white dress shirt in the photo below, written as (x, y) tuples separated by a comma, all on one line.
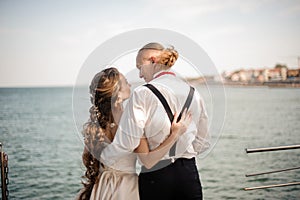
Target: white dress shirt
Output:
[(145, 116)]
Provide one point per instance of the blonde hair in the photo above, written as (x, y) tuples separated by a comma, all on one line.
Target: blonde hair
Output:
[(167, 57)]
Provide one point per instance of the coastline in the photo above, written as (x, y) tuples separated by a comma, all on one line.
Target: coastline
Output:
[(270, 84)]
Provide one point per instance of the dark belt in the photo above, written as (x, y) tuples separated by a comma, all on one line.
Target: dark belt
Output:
[(164, 163)]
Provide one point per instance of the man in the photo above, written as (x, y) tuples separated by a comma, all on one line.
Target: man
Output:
[(176, 175)]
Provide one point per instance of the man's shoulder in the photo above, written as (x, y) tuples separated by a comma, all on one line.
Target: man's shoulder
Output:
[(140, 92), (140, 88), (175, 85)]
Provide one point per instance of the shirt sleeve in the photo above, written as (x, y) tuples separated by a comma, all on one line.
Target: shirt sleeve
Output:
[(132, 123), (129, 132), (202, 139)]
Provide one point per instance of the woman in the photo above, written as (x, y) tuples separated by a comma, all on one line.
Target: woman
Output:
[(108, 90)]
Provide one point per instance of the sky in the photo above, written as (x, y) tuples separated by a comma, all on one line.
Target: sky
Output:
[(46, 42)]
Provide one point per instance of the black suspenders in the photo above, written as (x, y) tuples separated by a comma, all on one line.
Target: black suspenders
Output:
[(168, 109)]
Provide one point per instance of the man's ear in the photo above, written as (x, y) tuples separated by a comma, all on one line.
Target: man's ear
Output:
[(153, 59)]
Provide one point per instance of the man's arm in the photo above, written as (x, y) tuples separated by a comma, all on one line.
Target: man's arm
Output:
[(202, 140)]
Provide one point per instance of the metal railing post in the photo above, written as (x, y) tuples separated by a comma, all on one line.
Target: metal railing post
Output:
[(4, 173)]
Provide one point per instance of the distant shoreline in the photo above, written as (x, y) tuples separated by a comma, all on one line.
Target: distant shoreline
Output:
[(278, 83)]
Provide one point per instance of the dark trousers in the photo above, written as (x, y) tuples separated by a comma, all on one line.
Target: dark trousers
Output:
[(179, 180)]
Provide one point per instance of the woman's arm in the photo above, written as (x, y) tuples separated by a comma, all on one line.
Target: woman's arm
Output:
[(150, 157)]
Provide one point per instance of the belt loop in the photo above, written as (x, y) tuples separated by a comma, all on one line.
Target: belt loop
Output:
[(173, 159)]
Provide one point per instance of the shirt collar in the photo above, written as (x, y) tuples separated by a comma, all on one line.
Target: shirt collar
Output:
[(163, 72)]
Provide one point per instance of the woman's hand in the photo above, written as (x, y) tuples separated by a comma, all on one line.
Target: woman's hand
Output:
[(150, 157), (178, 128)]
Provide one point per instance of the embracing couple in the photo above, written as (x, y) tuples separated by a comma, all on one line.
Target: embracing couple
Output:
[(163, 125)]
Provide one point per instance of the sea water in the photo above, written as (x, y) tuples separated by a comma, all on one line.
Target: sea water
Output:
[(44, 146)]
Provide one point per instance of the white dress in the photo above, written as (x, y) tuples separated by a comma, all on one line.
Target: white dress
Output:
[(118, 182)]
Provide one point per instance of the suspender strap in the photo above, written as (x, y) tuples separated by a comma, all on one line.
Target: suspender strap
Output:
[(186, 106), (162, 100), (168, 109), (187, 102)]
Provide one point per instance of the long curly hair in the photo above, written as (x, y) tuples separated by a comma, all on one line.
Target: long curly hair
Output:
[(103, 90)]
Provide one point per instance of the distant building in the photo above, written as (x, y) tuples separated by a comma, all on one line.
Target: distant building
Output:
[(273, 74), (293, 73), (259, 75)]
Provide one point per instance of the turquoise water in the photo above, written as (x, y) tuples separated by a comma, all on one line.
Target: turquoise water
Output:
[(39, 135)]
